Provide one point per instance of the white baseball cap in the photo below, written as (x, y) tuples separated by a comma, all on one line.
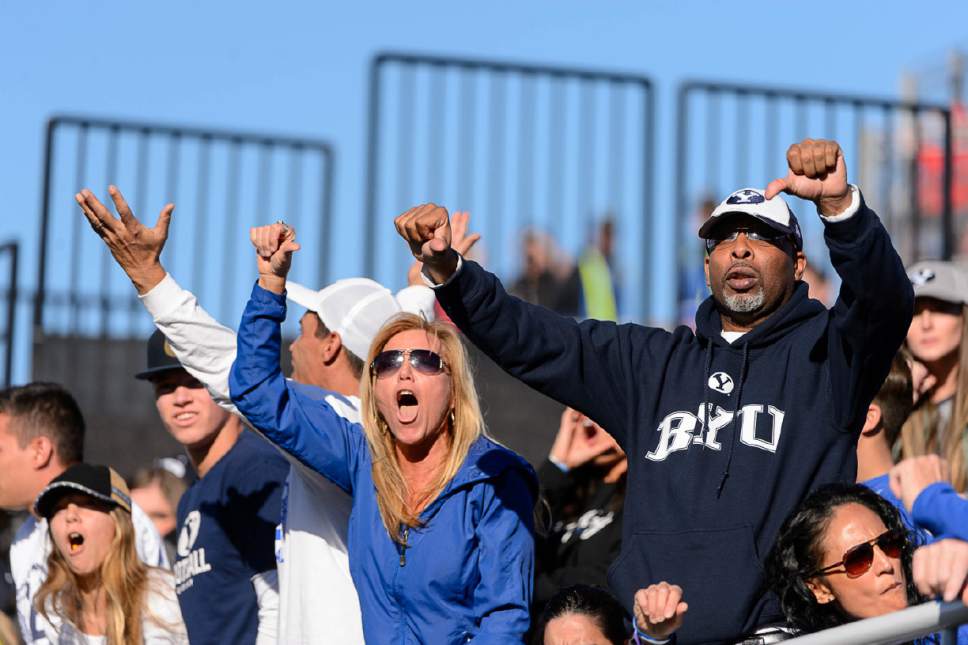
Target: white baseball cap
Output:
[(354, 308), (774, 212), (945, 281)]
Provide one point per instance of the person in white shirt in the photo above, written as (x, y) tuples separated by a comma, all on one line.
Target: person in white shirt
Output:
[(99, 591), (316, 591), (41, 434)]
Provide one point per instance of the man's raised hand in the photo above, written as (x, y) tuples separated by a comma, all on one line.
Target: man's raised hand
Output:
[(817, 172), (426, 229), (135, 247), (274, 245)]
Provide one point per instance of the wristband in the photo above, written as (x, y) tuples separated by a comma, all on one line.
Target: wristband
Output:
[(641, 638)]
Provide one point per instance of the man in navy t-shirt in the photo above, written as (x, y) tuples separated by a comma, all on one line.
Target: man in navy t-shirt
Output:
[(225, 569)]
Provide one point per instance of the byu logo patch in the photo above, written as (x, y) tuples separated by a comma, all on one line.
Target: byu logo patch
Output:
[(921, 277), (721, 382), (746, 196)]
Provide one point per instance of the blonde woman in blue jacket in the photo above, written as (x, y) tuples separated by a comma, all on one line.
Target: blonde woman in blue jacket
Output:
[(440, 536)]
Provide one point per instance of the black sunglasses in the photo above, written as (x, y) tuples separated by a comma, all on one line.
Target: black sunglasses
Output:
[(422, 360), (775, 238), (858, 559)]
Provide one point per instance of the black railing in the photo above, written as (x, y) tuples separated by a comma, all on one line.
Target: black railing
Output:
[(521, 146), (730, 136), (89, 330), (9, 253), (221, 181)]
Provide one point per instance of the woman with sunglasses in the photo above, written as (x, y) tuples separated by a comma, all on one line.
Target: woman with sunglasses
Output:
[(440, 541), (844, 555)]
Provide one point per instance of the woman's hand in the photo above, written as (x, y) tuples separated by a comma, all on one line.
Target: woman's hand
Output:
[(274, 245), (941, 569), (659, 610)]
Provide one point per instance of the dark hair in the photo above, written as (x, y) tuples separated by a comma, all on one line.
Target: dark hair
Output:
[(596, 603), (895, 398), (48, 410), (798, 552), (356, 363)]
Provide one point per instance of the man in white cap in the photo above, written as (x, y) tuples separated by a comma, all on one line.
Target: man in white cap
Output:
[(726, 428), (317, 599)]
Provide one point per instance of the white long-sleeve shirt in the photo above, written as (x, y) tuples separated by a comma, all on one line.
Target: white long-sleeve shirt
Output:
[(317, 599)]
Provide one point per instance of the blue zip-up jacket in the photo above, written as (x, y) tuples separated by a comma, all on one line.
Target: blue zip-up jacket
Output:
[(786, 404), (466, 575)]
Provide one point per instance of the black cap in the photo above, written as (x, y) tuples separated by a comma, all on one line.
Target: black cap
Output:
[(161, 357), (100, 482)]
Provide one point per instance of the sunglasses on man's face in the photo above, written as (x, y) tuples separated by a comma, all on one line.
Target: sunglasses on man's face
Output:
[(858, 559), (421, 360), (768, 236)]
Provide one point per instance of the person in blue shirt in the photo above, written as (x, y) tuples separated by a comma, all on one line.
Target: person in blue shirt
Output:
[(440, 535), (225, 566)]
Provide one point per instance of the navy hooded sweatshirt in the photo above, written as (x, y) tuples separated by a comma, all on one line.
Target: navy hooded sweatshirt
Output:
[(786, 403)]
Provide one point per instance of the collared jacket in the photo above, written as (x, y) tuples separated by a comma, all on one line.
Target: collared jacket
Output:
[(465, 575)]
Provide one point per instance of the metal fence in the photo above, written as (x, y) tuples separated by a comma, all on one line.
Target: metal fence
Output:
[(88, 327), (898, 627), (730, 136), (523, 147), (9, 253)]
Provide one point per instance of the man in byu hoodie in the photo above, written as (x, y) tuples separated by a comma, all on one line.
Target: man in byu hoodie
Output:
[(728, 428)]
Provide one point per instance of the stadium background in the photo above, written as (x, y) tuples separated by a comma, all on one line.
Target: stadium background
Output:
[(549, 116)]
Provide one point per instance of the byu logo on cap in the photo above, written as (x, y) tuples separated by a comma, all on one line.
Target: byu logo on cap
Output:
[(921, 277), (721, 382), (746, 196)]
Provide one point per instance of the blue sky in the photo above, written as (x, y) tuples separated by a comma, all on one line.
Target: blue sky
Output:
[(300, 68)]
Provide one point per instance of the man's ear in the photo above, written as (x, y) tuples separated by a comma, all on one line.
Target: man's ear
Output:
[(41, 452), (331, 346), (821, 592), (706, 270), (799, 265), (872, 422)]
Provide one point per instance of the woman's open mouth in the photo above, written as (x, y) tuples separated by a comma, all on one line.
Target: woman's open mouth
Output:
[(406, 406), (75, 542)]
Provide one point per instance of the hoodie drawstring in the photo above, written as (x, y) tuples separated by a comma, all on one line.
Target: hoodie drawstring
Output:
[(705, 388), (733, 422)]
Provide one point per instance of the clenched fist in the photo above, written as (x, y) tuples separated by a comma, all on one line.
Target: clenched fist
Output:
[(426, 229), (274, 245), (818, 173)]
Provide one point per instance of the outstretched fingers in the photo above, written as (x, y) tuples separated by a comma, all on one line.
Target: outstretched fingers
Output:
[(97, 214)]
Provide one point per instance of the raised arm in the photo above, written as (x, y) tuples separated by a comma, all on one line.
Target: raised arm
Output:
[(294, 417), (204, 347), (591, 366), (876, 301)]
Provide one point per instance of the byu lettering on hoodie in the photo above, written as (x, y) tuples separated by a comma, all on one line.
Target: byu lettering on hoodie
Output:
[(707, 492)]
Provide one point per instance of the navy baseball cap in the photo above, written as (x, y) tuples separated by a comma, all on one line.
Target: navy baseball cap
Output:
[(161, 358), (100, 482), (775, 213)]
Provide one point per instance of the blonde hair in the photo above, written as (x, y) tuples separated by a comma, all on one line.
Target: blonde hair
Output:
[(122, 576), (921, 434), (465, 427)]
